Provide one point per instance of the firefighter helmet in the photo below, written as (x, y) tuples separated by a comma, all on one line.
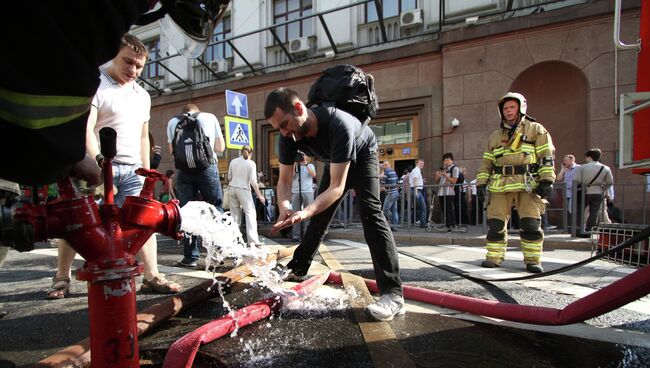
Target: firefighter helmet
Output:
[(188, 24), (521, 100)]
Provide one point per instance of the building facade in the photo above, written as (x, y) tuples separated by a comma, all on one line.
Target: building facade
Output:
[(434, 62)]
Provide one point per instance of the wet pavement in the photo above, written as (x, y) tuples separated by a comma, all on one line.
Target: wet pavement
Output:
[(329, 334)]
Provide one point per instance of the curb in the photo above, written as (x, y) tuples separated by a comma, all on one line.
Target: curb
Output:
[(470, 240)]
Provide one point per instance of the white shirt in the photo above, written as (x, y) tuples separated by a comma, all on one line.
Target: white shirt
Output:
[(124, 108), (415, 179), (208, 123), (447, 187), (473, 186), (242, 172)]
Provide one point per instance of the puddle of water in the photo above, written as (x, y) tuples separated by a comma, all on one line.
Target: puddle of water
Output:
[(223, 241)]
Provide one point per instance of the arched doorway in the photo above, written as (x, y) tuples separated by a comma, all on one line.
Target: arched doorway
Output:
[(557, 94)]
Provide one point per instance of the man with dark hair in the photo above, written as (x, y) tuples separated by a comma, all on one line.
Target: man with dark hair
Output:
[(349, 150), (447, 177), (595, 179), (517, 170)]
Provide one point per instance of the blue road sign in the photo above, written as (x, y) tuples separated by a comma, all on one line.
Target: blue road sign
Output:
[(237, 104), (239, 132)]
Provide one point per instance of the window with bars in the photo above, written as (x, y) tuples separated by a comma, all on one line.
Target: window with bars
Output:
[(391, 8), (286, 10), (219, 51), (153, 70)]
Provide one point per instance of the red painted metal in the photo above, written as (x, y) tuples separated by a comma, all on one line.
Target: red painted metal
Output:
[(78, 355), (108, 238), (616, 295), (182, 352)]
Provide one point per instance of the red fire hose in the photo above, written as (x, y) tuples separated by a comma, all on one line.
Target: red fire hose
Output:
[(615, 295), (182, 352)]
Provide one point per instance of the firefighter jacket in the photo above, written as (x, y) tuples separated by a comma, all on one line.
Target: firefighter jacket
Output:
[(46, 87), (518, 162)]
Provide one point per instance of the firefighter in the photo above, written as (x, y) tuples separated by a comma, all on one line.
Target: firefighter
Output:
[(46, 87), (517, 170)]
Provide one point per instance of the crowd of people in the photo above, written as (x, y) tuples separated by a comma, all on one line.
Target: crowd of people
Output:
[(516, 173)]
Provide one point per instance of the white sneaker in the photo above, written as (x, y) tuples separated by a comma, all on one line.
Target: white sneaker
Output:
[(388, 306)]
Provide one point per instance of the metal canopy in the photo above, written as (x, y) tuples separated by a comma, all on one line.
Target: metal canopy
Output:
[(507, 11)]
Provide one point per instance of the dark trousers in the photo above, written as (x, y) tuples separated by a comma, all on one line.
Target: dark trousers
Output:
[(450, 209), (461, 202), (189, 184), (477, 211), (594, 201), (363, 177)]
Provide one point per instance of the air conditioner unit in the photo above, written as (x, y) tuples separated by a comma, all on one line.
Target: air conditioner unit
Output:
[(219, 67), (410, 18), (299, 45), (159, 84)]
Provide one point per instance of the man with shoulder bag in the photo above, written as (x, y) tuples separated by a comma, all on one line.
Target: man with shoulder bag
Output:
[(194, 139), (595, 179)]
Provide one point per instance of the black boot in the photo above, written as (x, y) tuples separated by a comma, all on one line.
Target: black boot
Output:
[(534, 268)]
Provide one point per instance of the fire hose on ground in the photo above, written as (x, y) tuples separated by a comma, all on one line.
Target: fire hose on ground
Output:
[(78, 355), (640, 236), (613, 296), (630, 288), (182, 352)]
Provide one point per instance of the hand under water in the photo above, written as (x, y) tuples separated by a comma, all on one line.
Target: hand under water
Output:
[(289, 219)]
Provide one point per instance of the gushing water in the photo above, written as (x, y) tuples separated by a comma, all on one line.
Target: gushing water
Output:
[(223, 241)]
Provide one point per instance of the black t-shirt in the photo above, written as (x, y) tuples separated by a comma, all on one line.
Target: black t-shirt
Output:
[(337, 140)]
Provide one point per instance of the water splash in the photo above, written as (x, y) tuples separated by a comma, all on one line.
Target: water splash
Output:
[(321, 301), (223, 241), (220, 235)]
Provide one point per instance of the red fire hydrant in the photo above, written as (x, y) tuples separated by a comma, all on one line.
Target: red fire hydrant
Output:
[(107, 237)]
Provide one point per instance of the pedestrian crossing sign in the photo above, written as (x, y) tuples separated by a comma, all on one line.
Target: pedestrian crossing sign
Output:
[(239, 132)]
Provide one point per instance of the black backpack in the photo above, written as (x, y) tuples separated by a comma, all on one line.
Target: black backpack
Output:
[(191, 147), (348, 88), (461, 179)]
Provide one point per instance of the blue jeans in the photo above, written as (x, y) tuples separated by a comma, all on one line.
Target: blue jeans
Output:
[(127, 182), (390, 207), (189, 184), (420, 207)]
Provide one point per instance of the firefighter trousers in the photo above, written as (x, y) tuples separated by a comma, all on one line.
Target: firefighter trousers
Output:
[(530, 208)]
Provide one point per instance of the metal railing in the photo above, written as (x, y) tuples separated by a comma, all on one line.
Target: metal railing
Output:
[(630, 205)]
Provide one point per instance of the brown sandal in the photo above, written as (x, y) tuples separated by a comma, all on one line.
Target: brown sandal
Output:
[(60, 288), (159, 285)]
